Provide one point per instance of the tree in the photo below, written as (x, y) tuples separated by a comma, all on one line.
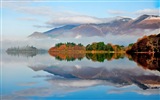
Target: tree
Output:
[(94, 46), (109, 47), (59, 44), (131, 44), (100, 46), (80, 45), (88, 47)]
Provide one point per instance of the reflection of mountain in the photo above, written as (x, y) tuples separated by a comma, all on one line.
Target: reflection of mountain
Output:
[(147, 61), (117, 26), (25, 51), (121, 77)]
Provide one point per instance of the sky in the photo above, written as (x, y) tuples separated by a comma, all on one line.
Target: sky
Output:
[(21, 18)]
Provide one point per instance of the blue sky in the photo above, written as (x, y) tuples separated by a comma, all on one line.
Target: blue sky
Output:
[(20, 19)]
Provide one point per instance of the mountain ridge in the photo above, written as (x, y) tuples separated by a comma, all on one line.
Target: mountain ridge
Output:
[(118, 26)]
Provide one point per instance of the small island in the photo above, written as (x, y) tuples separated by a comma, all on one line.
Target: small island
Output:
[(97, 51), (26, 51)]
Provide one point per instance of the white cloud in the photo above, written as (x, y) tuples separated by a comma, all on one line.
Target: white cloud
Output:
[(43, 26), (41, 10), (137, 13), (28, 19), (53, 17), (77, 19), (78, 37), (116, 12), (147, 11)]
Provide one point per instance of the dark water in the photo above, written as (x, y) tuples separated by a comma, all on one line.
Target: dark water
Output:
[(80, 77)]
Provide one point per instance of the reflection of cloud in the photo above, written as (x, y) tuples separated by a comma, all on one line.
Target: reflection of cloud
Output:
[(76, 83), (78, 66), (58, 87), (61, 86), (136, 90)]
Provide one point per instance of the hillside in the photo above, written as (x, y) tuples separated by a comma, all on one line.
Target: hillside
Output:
[(147, 44)]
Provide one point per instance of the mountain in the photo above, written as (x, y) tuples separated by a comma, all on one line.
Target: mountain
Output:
[(59, 31), (144, 24), (37, 35)]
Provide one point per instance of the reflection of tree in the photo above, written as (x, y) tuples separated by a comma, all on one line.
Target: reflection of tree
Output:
[(22, 53), (28, 51), (100, 57), (148, 61), (68, 56)]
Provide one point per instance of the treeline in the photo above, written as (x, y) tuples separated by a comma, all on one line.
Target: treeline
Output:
[(68, 44), (26, 48), (101, 46), (96, 46)]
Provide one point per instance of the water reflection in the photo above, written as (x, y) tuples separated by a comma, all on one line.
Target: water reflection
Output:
[(68, 56), (119, 77), (147, 61), (60, 87), (100, 57), (26, 53), (81, 78)]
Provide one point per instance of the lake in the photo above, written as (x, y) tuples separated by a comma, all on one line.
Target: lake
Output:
[(80, 77)]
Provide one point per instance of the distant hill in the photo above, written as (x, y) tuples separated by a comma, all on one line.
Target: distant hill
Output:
[(119, 25), (37, 35)]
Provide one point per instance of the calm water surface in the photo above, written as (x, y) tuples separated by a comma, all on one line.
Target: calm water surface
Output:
[(45, 77)]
